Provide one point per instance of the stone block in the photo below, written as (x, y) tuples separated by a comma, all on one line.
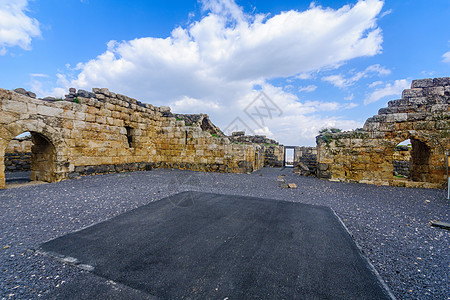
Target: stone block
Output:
[(14, 106), (413, 93), (49, 111), (441, 81), (437, 108), (434, 91), (422, 83)]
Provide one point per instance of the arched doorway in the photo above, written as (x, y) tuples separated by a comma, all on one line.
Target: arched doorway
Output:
[(32, 155), (420, 161), (411, 161)]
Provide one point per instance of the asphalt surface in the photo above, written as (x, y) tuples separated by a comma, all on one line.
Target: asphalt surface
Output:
[(390, 224), (212, 246)]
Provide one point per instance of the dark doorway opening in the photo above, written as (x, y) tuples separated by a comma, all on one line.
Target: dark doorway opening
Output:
[(420, 161), (130, 136)]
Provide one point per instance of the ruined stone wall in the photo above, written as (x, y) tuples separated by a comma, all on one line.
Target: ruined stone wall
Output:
[(305, 161), (100, 131), (18, 155), (401, 161), (273, 156), (365, 155)]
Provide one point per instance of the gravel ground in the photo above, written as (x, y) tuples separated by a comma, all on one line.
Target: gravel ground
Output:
[(390, 224)]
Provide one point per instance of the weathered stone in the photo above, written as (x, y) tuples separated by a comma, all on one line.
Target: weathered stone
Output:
[(412, 93), (422, 83), (164, 109), (85, 94), (420, 116)]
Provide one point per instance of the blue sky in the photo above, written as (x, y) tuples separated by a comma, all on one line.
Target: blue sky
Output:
[(320, 64)]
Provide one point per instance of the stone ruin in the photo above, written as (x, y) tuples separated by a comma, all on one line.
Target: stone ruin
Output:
[(367, 155), (103, 132)]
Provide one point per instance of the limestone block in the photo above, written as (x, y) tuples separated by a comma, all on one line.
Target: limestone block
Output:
[(105, 112), (14, 106), (412, 93), (439, 108), (67, 124), (49, 111), (418, 101), (437, 91), (68, 114), (8, 117), (32, 108), (387, 126), (100, 119), (398, 117), (80, 116), (422, 83), (416, 116)]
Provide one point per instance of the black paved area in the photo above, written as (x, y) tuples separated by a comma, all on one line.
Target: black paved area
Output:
[(211, 246)]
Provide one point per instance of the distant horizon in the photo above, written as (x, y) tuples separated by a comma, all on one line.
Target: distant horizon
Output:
[(282, 69)]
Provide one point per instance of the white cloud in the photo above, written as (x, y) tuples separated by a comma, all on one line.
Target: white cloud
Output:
[(388, 90), (304, 76), (308, 89), (16, 28), (375, 83), (341, 82), (39, 75), (192, 105), (446, 57), (349, 97), (214, 64)]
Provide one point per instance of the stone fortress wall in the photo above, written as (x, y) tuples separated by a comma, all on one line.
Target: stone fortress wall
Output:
[(422, 115), (100, 132)]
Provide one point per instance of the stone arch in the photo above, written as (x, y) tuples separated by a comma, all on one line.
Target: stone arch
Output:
[(49, 151), (425, 149)]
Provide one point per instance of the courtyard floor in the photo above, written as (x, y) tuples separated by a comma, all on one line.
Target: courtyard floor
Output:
[(390, 224)]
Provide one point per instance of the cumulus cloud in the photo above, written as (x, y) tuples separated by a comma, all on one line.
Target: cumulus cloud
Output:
[(446, 57), (214, 65), (341, 82), (16, 28), (389, 89)]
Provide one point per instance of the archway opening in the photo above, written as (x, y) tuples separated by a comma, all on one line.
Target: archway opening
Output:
[(420, 161), (401, 160), (411, 161), (289, 157), (29, 156)]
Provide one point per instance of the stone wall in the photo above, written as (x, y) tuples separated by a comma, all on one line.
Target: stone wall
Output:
[(401, 161), (305, 161), (18, 155), (365, 155), (273, 156), (100, 131)]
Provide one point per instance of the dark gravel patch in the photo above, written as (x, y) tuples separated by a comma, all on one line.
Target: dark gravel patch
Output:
[(390, 224)]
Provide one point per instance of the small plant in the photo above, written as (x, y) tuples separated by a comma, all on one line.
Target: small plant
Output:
[(215, 135), (178, 119), (330, 130), (76, 100)]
